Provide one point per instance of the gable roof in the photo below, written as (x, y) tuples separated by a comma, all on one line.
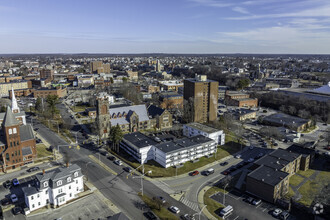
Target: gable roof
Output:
[(140, 110), (154, 110)]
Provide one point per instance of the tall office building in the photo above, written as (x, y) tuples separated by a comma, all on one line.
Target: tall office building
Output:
[(201, 98), (95, 65), (47, 73)]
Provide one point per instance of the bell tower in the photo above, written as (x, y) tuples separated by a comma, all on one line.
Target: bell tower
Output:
[(103, 116)]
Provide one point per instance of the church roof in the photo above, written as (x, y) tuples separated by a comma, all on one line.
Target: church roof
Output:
[(10, 119)]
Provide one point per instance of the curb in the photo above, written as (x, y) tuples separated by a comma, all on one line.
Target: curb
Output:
[(201, 201), (102, 164)]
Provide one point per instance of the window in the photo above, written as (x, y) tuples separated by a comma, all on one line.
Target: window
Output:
[(77, 189), (31, 197), (59, 183), (75, 174), (38, 195), (32, 205), (70, 194), (60, 190), (10, 131), (76, 181), (46, 192), (68, 179), (14, 131), (7, 156), (45, 184), (69, 187)]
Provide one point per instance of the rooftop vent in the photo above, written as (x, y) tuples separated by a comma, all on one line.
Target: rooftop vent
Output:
[(262, 180)]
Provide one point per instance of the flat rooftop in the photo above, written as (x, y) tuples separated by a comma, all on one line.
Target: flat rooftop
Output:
[(202, 127), (268, 175), (139, 140)]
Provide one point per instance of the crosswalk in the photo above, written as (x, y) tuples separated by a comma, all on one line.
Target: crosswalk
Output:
[(192, 205)]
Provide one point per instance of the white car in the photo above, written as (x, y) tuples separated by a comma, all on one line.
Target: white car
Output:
[(238, 156), (118, 162), (13, 198), (277, 212), (174, 209)]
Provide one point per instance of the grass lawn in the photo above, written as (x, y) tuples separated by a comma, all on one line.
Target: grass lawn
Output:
[(295, 180), (79, 108), (159, 171), (309, 129), (163, 213), (306, 173), (212, 205), (308, 192), (42, 151), (289, 194)]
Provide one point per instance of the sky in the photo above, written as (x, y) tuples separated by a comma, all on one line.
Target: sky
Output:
[(165, 26)]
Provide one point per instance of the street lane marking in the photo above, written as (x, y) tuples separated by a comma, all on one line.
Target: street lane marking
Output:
[(236, 217)]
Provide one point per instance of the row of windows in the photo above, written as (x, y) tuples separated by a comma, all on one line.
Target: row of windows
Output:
[(14, 143), (12, 131)]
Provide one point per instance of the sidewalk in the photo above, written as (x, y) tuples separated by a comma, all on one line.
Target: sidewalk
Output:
[(201, 201)]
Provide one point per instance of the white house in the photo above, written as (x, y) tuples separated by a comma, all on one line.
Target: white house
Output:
[(194, 129), (168, 153), (54, 187)]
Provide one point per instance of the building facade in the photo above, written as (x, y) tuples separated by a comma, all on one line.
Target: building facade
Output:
[(240, 100), (47, 73), (44, 92), (194, 129), (54, 188), (169, 153), (201, 98), (102, 116)]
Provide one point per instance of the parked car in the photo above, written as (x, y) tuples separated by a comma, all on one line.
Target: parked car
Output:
[(15, 182), (226, 172), (174, 209), (150, 215), (249, 200), (17, 210), (195, 173), (5, 202), (111, 157), (238, 156), (250, 160), (38, 141), (224, 163), (187, 217), (33, 169), (7, 184), (118, 162), (276, 212), (208, 172), (13, 198), (256, 201), (127, 169), (284, 215)]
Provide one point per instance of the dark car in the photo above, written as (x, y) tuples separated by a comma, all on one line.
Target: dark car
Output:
[(17, 210), (150, 215), (5, 202), (223, 163), (127, 169), (15, 182), (33, 169), (7, 184), (249, 200), (111, 157), (38, 141), (226, 172)]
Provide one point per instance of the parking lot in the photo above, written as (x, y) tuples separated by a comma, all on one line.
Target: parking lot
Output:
[(244, 210)]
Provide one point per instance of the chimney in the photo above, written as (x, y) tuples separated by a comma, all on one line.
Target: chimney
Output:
[(43, 171), (67, 164)]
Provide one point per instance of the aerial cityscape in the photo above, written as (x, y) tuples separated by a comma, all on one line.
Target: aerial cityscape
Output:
[(187, 109)]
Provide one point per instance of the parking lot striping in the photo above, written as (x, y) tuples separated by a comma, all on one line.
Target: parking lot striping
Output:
[(236, 217), (259, 205)]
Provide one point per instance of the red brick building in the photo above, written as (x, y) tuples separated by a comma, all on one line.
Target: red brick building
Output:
[(240, 100)]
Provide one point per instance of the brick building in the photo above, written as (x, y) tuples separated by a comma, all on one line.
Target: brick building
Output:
[(99, 67), (17, 140), (240, 100), (161, 118), (171, 100), (44, 92), (47, 73), (201, 96)]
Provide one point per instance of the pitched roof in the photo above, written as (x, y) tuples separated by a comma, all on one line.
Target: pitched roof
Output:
[(26, 151), (26, 132), (140, 110), (154, 110), (10, 119)]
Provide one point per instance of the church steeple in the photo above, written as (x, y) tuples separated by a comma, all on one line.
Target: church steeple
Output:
[(14, 105)]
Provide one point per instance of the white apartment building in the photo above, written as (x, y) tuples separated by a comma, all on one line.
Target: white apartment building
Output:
[(169, 153), (54, 187), (194, 129)]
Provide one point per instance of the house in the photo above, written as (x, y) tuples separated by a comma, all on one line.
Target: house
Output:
[(54, 188), (194, 129)]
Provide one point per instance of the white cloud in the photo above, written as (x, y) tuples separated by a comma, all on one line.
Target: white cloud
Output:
[(212, 3), (241, 10)]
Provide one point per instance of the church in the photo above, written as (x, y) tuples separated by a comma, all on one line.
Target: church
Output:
[(17, 140)]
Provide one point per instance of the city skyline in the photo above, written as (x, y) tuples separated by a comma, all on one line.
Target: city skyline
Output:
[(185, 26)]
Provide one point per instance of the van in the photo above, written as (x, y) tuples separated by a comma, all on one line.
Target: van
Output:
[(210, 171), (226, 211)]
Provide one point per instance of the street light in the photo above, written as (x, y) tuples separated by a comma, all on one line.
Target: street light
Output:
[(199, 213), (224, 194), (141, 177)]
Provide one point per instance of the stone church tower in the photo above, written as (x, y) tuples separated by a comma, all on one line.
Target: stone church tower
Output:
[(103, 116)]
